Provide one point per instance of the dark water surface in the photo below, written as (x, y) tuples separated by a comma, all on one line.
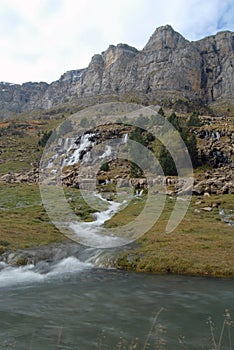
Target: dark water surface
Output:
[(88, 308)]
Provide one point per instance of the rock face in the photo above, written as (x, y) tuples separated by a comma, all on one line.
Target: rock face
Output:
[(16, 98), (168, 66)]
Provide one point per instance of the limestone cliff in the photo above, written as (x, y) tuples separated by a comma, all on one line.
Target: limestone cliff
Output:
[(169, 66)]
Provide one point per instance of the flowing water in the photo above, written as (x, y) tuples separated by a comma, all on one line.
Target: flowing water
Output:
[(73, 305)]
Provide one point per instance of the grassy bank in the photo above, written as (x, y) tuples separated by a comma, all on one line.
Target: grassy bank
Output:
[(201, 245), (23, 220)]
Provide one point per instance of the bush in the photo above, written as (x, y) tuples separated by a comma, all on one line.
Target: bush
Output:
[(167, 163), (135, 171), (45, 137), (105, 167), (194, 120), (173, 119)]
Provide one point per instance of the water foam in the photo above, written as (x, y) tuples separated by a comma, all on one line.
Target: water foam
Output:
[(41, 272), (90, 233)]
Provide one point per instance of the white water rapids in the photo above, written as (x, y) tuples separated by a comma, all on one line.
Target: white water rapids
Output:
[(10, 275), (90, 233)]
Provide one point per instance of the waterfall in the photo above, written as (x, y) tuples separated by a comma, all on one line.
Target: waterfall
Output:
[(217, 135), (107, 153), (68, 143), (51, 161), (125, 138), (78, 151), (85, 143)]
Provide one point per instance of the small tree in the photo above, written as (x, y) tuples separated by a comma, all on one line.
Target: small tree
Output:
[(174, 120), (135, 171), (137, 136), (44, 138), (193, 151), (194, 120), (167, 163), (161, 112), (105, 167)]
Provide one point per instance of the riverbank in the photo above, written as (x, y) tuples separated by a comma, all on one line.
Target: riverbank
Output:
[(201, 245)]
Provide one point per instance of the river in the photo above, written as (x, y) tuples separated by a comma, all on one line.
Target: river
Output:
[(73, 305)]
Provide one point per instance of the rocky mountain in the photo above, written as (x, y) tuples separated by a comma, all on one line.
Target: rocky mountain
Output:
[(169, 66)]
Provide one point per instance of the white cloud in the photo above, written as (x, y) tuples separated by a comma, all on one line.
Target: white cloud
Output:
[(41, 39)]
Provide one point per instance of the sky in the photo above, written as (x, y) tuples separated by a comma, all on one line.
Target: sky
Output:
[(42, 39)]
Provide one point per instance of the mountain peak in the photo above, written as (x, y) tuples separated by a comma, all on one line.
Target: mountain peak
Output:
[(167, 27), (165, 37)]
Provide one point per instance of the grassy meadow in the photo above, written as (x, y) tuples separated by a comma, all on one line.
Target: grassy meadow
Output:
[(201, 245)]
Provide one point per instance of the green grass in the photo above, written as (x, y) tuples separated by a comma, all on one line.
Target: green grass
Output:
[(79, 205), (23, 220), (201, 245), (19, 145)]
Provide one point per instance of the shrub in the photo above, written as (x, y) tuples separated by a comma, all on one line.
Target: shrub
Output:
[(194, 120), (105, 167)]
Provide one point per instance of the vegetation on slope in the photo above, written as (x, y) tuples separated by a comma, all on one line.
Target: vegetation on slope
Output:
[(202, 244)]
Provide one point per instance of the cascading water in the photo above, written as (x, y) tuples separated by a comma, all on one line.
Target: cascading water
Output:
[(125, 138), (70, 258), (84, 144), (91, 232), (10, 275), (107, 152), (79, 258), (74, 260)]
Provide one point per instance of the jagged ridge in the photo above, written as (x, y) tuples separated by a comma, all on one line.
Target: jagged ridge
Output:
[(169, 66)]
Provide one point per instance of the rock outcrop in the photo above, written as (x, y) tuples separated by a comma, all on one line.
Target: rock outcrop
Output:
[(220, 181), (169, 66), (216, 141)]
